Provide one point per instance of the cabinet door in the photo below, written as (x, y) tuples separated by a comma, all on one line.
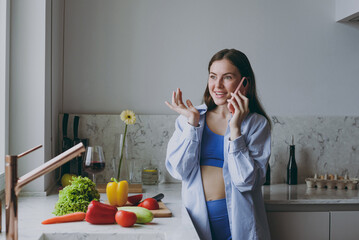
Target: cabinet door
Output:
[(344, 225), (299, 225)]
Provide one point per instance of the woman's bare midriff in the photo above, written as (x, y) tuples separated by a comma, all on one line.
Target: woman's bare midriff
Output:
[(213, 183)]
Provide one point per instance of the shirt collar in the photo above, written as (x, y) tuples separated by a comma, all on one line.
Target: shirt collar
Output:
[(202, 109)]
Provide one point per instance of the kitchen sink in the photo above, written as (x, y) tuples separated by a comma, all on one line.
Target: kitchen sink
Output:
[(101, 236)]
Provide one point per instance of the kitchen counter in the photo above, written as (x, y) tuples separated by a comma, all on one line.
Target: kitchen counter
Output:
[(283, 197), (277, 197), (33, 210)]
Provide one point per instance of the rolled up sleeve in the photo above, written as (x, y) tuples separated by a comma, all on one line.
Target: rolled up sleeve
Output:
[(182, 149), (248, 155)]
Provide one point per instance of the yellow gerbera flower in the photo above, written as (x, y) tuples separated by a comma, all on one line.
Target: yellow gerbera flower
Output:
[(128, 117)]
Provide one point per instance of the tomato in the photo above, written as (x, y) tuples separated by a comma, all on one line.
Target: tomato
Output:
[(135, 199), (150, 204), (125, 218)]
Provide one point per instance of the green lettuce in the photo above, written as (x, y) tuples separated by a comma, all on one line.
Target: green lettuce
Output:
[(76, 197)]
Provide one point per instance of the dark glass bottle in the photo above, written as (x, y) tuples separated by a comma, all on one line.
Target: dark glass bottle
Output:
[(267, 175), (292, 171)]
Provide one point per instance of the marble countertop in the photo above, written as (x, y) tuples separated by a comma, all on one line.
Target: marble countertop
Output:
[(283, 197), (33, 210)]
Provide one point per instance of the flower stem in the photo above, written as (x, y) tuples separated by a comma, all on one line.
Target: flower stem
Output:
[(121, 156)]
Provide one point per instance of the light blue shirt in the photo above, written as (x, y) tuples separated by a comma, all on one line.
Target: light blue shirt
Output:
[(244, 169)]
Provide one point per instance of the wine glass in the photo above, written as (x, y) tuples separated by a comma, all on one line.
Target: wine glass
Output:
[(94, 161)]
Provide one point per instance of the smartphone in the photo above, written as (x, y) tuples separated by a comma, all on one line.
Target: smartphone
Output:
[(243, 87)]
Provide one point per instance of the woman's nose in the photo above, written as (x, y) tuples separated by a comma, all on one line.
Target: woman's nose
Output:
[(219, 83)]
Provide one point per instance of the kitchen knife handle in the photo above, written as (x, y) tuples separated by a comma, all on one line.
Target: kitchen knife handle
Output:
[(159, 196), (64, 124), (76, 127)]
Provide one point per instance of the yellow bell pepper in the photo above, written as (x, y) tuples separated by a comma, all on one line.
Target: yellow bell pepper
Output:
[(117, 192)]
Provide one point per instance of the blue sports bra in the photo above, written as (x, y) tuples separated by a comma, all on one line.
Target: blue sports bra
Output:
[(212, 148)]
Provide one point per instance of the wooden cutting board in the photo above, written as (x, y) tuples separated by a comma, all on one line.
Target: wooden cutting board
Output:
[(132, 188), (163, 211)]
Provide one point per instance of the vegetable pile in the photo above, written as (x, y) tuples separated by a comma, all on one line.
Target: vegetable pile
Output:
[(76, 197), (79, 201)]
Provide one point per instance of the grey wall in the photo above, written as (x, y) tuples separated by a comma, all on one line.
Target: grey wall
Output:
[(29, 86), (56, 71), (120, 54), (132, 54), (34, 87), (4, 86)]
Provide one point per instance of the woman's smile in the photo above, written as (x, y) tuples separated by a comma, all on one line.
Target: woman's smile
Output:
[(220, 94)]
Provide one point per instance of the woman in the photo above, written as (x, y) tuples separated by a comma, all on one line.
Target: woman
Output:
[(220, 151)]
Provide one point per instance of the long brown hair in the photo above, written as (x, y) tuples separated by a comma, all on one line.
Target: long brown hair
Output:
[(240, 60)]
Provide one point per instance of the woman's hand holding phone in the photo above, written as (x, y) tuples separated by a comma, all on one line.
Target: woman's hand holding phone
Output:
[(239, 107), (242, 88), (188, 111)]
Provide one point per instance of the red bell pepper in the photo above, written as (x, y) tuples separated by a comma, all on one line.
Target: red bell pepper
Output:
[(100, 213)]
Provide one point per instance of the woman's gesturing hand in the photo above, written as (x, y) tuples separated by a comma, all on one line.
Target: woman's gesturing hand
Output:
[(240, 104), (188, 111)]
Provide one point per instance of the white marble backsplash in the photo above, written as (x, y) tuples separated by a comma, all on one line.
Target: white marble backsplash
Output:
[(147, 140), (323, 144)]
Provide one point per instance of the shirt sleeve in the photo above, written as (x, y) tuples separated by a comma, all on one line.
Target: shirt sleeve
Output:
[(183, 149), (249, 154)]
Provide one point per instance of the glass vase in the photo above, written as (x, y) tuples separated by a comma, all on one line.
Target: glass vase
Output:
[(121, 148)]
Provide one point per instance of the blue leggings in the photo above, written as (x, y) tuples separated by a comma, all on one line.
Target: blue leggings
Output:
[(218, 219)]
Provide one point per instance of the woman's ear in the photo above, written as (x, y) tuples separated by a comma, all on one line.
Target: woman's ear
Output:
[(245, 88)]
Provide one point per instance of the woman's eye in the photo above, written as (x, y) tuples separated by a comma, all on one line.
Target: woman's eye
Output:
[(212, 77), (228, 77)]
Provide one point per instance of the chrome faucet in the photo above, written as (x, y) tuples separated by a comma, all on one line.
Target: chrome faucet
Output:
[(13, 184)]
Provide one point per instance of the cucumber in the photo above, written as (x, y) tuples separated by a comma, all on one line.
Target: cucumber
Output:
[(143, 215)]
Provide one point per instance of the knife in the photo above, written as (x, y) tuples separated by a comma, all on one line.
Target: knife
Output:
[(76, 163), (66, 143), (76, 128), (159, 196)]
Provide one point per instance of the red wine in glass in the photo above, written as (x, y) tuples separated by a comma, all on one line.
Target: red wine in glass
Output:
[(94, 160), (95, 167)]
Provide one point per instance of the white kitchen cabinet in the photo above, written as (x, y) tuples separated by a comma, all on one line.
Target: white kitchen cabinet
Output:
[(344, 225), (299, 225)]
